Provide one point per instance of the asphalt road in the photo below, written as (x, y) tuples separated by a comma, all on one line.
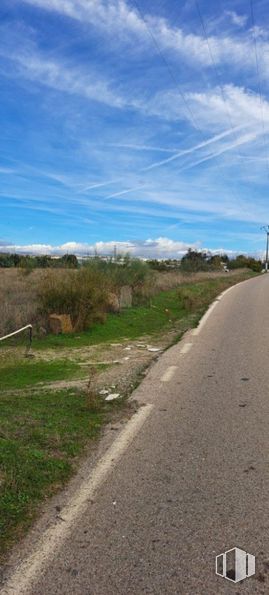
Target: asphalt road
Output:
[(188, 480)]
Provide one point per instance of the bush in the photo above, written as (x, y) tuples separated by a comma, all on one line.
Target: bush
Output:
[(195, 261), (125, 271), (122, 271), (82, 294), (188, 300)]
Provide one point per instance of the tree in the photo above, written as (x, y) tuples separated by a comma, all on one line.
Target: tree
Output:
[(195, 261), (70, 261)]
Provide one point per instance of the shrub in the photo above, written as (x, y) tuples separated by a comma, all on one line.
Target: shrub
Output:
[(125, 271), (190, 300), (122, 271), (82, 294), (195, 261)]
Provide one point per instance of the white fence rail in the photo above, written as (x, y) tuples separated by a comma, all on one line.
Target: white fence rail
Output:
[(20, 330)]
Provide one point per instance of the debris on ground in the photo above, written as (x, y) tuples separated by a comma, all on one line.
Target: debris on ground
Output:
[(153, 349), (112, 396)]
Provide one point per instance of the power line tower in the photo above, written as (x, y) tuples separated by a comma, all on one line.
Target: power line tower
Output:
[(266, 229)]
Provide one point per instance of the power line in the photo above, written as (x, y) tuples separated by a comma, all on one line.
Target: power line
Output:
[(175, 81), (259, 80), (214, 66), (166, 63)]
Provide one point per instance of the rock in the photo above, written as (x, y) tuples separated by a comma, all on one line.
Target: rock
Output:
[(60, 323), (126, 297)]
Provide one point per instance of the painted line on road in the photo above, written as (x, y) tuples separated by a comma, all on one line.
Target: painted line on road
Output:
[(168, 375), (203, 320), (28, 571), (205, 317), (185, 348)]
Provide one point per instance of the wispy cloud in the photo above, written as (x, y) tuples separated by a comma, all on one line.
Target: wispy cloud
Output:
[(191, 150), (244, 139), (144, 148), (239, 20), (98, 131), (61, 76), (119, 16)]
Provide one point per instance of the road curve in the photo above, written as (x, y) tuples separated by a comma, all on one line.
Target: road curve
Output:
[(189, 481)]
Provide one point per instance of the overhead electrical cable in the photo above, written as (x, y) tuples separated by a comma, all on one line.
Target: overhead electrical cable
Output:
[(259, 81), (214, 66), (175, 81), (170, 70)]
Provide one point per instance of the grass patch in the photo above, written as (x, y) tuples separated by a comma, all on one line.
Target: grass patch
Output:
[(40, 436), (28, 373)]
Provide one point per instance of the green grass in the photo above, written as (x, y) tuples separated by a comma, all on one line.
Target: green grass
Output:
[(40, 437), (24, 373)]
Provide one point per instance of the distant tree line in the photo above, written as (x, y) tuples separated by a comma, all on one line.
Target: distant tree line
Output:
[(22, 261), (195, 260)]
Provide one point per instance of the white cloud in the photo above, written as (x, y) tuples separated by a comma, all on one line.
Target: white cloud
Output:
[(143, 148), (211, 107), (64, 77), (239, 20), (159, 248), (117, 16), (191, 150)]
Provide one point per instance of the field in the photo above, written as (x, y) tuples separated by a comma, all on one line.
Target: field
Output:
[(49, 412), (19, 301)]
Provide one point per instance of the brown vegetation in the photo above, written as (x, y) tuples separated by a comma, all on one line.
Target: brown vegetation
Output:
[(85, 294)]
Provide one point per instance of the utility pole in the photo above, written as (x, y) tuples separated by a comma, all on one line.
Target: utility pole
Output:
[(266, 229)]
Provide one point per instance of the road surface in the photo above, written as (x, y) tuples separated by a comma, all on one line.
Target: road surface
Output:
[(186, 479)]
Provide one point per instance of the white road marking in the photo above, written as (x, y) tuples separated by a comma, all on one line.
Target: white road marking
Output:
[(28, 571), (204, 318), (185, 348), (168, 375)]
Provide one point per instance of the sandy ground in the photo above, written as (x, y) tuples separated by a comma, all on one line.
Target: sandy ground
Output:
[(124, 362)]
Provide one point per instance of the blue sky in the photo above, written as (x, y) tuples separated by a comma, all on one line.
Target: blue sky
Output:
[(142, 123)]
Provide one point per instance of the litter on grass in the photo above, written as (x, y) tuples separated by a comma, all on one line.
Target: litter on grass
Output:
[(153, 348), (112, 396)]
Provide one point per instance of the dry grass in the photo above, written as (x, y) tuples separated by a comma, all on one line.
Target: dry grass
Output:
[(18, 299), (19, 302), (19, 293), (172, 279)]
